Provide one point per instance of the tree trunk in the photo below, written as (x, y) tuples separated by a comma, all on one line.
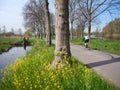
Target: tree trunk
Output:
[(48, 30), (82, 33), (40, 31), (71, 30), (89, 25), (38, 34), (62, 45), (89, 29)]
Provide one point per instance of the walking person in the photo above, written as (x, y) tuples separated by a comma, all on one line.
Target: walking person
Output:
[(24, 43)]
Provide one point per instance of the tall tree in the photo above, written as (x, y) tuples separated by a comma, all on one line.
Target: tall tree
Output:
[(34, 18), (81, 22), (12, 30), (47, 19), (94, 8), (52, 22), (4, 29), (20, 31), (62, 45), (72, 13)]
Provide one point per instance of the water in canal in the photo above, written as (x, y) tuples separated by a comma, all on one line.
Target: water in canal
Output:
[(9, 57)]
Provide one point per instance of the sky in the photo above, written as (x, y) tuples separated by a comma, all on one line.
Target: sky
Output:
[(11, 14)]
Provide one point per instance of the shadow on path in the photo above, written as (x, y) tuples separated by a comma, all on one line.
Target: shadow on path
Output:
[(95, 64)]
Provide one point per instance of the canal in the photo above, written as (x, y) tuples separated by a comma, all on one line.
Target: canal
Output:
[(9, 57)]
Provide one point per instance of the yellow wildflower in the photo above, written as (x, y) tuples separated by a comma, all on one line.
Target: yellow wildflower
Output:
[(30, 88), (35, 86), (38, 76)]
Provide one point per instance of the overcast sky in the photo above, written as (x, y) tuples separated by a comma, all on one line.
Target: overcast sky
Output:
[(11, 14)]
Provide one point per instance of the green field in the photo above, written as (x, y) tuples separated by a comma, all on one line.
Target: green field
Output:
[(7, 43), (107, 45), (35, 73)]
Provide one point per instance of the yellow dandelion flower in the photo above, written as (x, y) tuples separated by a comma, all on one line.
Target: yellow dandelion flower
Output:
[(19, 84), (58, 86), (35, 86), (38, 76), (30, 88), (30, 84), (71, 72), (52, 76), (55, 84), (23, 86), (44, 79), (26, 78)]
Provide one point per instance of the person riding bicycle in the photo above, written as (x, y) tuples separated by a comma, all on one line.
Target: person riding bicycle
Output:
[(86, 40)]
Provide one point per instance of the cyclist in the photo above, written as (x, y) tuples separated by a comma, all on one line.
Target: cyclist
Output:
[(86, 40)]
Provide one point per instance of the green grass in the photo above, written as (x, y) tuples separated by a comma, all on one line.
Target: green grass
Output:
[(77, 41), (111, 46), (10, 40), (6, 43), (34, 73)]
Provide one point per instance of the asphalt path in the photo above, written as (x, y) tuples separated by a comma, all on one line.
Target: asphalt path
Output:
[(105, 64)]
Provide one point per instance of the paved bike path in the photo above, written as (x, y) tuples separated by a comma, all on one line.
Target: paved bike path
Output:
[(105, 64)]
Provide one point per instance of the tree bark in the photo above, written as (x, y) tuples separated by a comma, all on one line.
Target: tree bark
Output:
[(71, 30), (48, 30), (89, 24), (89, 28), (82, 33), (62, 45)]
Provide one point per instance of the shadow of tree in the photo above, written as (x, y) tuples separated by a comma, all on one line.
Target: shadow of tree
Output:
[(95, 64)]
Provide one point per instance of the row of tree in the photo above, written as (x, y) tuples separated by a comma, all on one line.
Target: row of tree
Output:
[(80, 13), (85, 12), (4, 32), (35, 17), (39, 20)]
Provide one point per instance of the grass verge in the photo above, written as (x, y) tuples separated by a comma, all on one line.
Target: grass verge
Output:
[(7, 43), (34, 73), (107, 45)]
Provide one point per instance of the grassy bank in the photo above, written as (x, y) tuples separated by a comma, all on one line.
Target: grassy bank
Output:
[(111, 46), (34, 73), (7, 43)]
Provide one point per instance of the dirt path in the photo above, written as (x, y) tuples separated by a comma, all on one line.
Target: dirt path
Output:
[(105, 64)]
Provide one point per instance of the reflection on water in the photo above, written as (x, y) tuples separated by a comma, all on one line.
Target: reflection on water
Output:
[(10, 56)]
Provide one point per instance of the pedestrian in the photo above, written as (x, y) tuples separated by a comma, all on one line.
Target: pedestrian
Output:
[(24, 43)]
